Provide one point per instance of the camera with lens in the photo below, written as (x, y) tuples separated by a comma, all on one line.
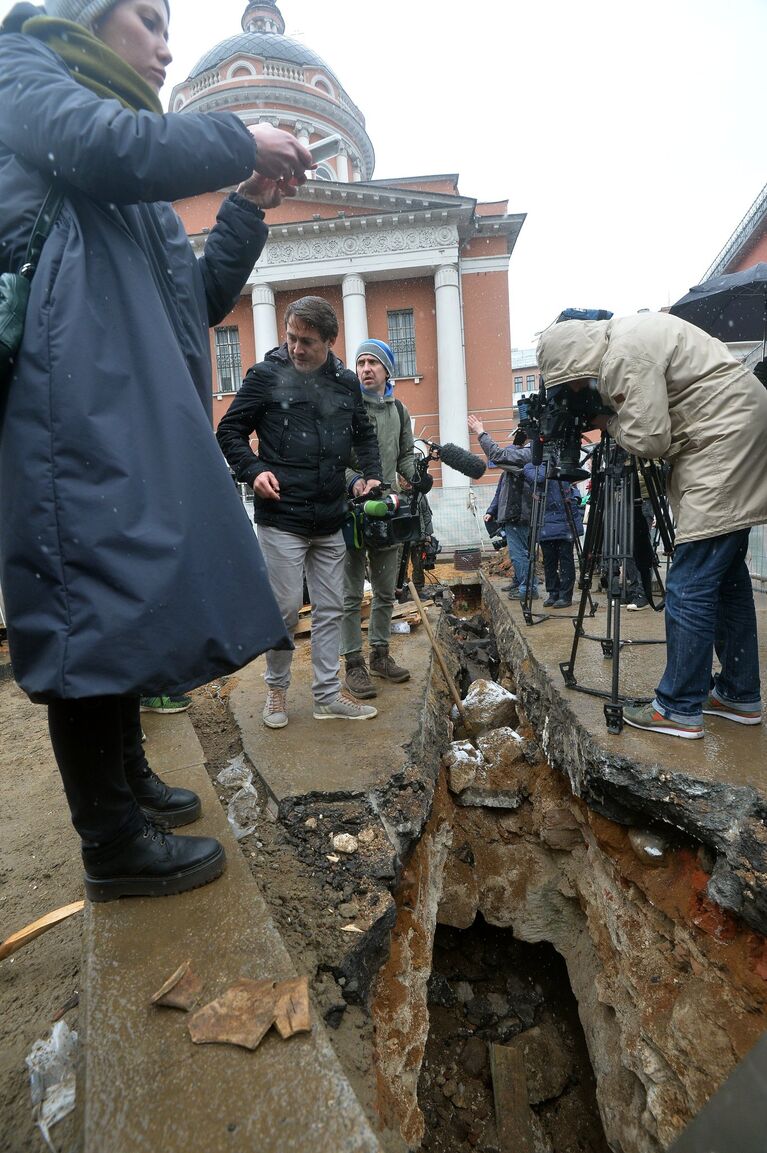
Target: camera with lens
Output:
[(555, 421), (381, 521)]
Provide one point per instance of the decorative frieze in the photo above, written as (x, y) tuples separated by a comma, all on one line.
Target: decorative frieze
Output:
[(392, 240)]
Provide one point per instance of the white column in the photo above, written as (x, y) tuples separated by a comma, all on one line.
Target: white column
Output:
[(355, 316), (303, 132), (453, 411), (264, 319), (342, 164)]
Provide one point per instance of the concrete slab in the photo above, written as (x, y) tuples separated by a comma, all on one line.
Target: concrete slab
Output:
[(145, 1085), (333, 758), (736, 753), (714, 790), (172, 742)]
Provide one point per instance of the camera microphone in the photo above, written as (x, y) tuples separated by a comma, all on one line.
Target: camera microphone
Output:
[(458, 458), (386, 506)]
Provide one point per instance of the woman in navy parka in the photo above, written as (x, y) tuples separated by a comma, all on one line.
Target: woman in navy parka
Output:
[(127, 561)]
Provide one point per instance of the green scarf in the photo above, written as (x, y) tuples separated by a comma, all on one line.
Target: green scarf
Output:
[(92, 64)]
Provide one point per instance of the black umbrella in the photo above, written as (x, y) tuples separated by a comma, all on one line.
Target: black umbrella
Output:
[(731, 307)]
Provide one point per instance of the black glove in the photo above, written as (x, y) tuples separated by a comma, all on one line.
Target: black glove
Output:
[(422, 484)]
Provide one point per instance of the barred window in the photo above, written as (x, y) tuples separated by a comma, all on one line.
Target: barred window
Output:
[(228, 364), (517, 383), (401, 327), (530, 381)]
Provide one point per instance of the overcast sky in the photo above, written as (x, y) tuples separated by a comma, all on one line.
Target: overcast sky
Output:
[(631, 134)]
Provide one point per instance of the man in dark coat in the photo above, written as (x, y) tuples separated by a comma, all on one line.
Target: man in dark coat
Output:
[(308, 413), (113, 495)]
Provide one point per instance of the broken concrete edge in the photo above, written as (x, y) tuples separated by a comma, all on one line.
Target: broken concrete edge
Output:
[(729, 819), (117, 994)]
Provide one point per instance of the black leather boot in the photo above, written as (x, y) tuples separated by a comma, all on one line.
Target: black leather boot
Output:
[(160, 802), (152, 863)]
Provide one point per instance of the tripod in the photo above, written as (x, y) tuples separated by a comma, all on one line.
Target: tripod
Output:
[(540, 494), (610, 538)]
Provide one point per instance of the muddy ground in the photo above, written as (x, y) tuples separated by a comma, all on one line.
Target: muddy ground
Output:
[(39, 871)]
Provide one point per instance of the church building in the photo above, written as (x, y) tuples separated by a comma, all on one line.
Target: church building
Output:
[(410, 261)]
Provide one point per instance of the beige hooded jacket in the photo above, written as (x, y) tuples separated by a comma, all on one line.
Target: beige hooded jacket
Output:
[(678, 394)]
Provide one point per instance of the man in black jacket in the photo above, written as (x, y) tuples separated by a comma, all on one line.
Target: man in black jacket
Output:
[(307, 412)]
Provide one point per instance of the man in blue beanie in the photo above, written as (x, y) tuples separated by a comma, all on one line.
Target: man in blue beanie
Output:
[(375, 369)]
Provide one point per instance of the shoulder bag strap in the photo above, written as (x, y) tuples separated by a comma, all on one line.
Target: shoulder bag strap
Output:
[(46, 218)]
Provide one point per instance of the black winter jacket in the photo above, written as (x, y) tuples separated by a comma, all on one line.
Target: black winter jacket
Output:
[(307, 426)]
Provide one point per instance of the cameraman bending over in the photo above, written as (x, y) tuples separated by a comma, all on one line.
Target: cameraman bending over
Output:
[(511, 504), (679, 394), (375, 369)]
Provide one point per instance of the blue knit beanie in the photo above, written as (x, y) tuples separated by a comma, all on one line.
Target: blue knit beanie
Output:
[(380, 351), (83, 12)]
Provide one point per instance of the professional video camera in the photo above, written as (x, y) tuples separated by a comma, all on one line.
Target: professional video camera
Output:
[(555, 421), (380, 520)]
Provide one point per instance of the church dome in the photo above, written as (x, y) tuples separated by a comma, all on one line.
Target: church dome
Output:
[(266, 45), (261, 74)]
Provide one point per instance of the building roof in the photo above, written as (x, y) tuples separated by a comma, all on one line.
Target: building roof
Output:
[(750, 229), (267, 45)]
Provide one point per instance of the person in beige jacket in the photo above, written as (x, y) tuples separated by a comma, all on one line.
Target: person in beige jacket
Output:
[(679, 394)]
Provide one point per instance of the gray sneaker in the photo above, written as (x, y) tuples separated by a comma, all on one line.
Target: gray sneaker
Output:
[(275, 712), (343, 709)]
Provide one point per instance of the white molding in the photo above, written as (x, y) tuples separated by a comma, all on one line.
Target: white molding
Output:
[(373, 266), (348, 246), (471, 264), (239, 63)]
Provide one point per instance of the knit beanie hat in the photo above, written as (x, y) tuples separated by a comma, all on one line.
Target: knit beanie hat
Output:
[(380, 351), (84, 12)]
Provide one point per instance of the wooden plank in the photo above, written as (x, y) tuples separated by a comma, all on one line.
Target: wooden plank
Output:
[(42, 925), (400, 612), (512, 1111)]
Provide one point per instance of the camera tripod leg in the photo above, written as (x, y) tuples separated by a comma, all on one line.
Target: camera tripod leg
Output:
[(533, 539)]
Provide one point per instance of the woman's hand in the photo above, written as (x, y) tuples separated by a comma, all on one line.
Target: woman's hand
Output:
[(265, 193), (279, 156)]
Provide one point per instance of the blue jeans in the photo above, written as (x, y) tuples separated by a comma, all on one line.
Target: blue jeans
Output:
[(709, 606), (516, 540)]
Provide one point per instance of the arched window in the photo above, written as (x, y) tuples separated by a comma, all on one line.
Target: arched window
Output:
[(324, 172)]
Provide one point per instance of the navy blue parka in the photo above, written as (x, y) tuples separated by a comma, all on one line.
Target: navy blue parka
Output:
[(556, 525), (127, 560)]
